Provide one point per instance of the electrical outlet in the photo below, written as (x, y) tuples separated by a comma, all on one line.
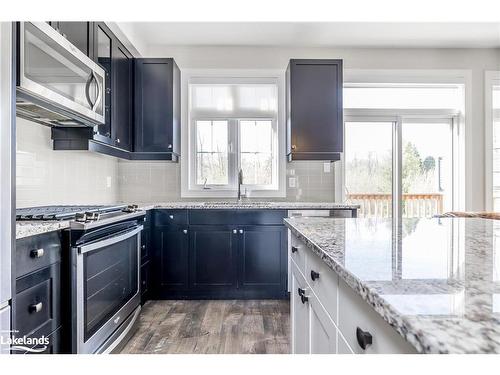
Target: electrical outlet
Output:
[(291, 172), (327, 167), (291, 182), (108, 181)]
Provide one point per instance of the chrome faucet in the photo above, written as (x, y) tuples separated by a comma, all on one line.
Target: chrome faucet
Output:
[(240, 182)]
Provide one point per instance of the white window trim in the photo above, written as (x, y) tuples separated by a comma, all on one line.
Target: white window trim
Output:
[(463, 185), (198, 75), (491, 78)]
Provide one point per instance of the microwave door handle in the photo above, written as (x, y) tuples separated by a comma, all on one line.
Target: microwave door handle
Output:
[(99, 92), (87, 89)]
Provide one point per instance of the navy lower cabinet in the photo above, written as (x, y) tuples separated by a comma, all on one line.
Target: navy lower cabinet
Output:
[(219, 254), (212, 260), (170, 268), (262, 260)]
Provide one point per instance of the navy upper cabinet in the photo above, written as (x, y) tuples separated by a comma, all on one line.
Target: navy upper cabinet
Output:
[(157, 109), (314, 109)]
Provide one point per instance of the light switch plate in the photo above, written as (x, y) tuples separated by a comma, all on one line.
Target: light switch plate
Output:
[(291, 172), (291, 182), (327, 167)]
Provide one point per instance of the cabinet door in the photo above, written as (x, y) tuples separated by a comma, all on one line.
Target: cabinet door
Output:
[(78, 33), (323, 332), (172, 246), (213, 257), (315, 109), (154, 105), (102, 55), (145, 281), (122, 97), (299, 316), (262, 258)]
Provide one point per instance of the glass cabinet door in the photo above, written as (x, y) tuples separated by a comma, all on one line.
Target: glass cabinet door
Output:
[(104, 59)]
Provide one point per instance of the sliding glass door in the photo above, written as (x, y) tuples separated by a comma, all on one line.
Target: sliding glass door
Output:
[(403, 165)]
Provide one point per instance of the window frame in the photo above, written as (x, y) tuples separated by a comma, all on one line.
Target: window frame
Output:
[(189, 186), (491, 79)]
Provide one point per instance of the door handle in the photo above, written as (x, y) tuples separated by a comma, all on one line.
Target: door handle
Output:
[(92, 78)]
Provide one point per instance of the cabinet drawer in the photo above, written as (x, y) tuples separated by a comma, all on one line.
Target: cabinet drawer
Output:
[(167, 217), (342, 346), (324, 282), (37, 306), (145, 245), (355, 312), (36, 252), (298, 253), (54, 346), (299, 314)]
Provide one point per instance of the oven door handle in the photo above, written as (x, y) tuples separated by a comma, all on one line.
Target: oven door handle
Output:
[(109, 241)]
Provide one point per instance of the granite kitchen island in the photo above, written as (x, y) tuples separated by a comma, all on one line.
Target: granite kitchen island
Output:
[(426, 285)]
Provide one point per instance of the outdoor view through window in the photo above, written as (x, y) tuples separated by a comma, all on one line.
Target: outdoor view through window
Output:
[(425, 148)]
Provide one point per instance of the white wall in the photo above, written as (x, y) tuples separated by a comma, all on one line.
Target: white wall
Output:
[(474, 60), (47, 177)]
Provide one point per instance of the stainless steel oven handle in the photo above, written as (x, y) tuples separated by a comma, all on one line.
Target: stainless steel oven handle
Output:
[(109, 241), (99, 92)]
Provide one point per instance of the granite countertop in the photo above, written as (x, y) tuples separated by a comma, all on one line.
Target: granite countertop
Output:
[(436, 281), (31, 228), (233, 204)]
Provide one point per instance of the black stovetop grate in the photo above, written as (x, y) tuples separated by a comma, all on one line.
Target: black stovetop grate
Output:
[(61, 212)]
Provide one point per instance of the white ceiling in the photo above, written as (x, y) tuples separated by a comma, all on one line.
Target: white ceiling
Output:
[(315, 34)]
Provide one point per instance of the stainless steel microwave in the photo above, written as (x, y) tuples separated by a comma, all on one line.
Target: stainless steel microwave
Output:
[(57, 84)]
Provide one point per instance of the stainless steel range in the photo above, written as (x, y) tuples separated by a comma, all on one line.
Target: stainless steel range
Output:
[(103, 261)]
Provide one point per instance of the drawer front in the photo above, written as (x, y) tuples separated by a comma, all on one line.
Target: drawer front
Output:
[(299, 314), (343, 347), (237, 217), (38, 299), (167, 217), (54, 346), (298, 253), (324, 282), (36, 252), (323, 331), (355, 312)]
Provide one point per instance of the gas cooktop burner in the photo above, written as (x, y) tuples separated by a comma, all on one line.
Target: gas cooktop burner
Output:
[(82, 213)]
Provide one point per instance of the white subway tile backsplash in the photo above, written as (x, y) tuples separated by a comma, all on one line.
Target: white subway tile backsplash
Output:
[(45, 176)]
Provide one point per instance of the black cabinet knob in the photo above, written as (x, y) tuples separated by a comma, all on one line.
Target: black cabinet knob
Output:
[(314, 275), (304, 298), (295, 249), (364, 338), (301, 291)]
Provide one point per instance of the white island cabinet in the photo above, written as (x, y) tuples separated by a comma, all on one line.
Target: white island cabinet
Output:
[(327, 316)]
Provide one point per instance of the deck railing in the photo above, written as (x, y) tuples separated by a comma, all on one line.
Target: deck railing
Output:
[(414, 205)]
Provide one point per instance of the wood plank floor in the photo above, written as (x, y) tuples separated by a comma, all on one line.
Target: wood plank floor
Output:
[(217, 327)]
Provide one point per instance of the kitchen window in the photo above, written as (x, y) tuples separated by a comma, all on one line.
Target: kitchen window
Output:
[(233, 124), (492, 140)]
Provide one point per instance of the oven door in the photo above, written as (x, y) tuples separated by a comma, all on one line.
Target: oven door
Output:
[(107, 288)]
